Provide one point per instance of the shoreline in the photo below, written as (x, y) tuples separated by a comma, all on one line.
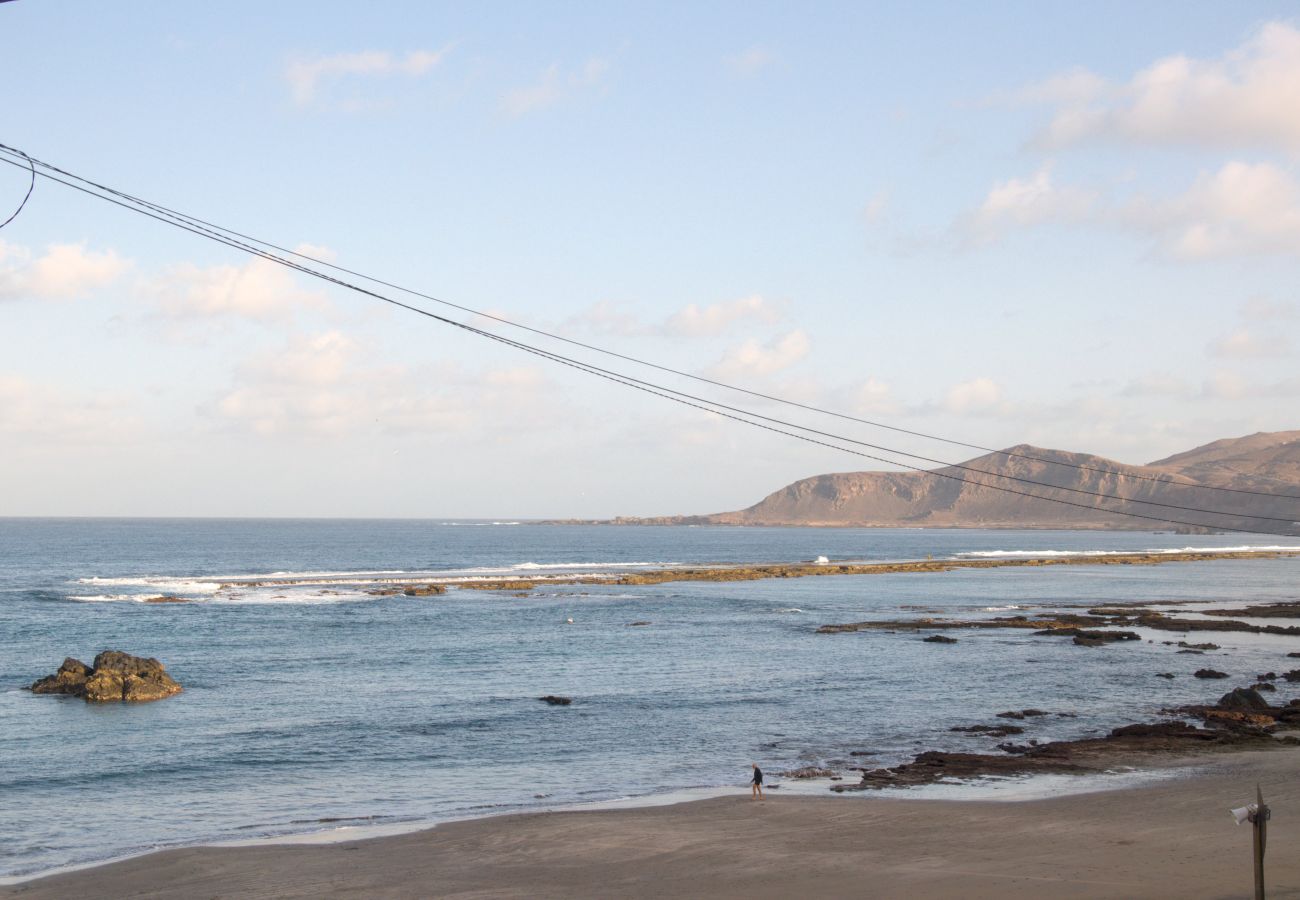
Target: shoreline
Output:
[(1021, 788), (1165, 837)]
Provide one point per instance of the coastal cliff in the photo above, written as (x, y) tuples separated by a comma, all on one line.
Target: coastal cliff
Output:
[(1266, 463)]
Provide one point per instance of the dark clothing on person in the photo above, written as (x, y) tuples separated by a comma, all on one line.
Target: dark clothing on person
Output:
[(758, 776)]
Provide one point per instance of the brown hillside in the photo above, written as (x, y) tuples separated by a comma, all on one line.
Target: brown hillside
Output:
[(1258, 462)]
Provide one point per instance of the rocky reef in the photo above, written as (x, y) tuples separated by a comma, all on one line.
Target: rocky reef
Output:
[(114, 676)]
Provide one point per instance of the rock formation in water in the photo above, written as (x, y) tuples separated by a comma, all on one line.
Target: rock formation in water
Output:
[(114, 676)]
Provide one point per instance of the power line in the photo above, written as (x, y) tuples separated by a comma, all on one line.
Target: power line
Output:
[(741, 415), (1166, 480), (30, 187)]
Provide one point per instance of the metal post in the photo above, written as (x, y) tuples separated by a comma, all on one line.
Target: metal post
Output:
[(1259, 819)]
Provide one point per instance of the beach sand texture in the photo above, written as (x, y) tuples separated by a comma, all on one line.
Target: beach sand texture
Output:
[(1171, 838)]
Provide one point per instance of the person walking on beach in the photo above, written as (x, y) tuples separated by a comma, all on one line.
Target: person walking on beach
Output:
[(756, 785)]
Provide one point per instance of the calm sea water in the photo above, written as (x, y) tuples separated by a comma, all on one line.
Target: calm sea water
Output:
[(312, 701)]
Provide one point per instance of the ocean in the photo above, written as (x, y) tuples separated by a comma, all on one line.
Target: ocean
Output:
[(311, 705)]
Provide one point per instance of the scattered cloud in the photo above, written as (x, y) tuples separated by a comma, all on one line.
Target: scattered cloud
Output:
[(1249, 97), (750, 62), (33, 410), (716, 318), (63, 272), (1245, 344), (1157, 384), (553, 86), (259, 290), (1241, 209), (980, 395), (752, 359), (877, 208), (872, 397), (327, 384), (605, 317), (1022, 203), (306, 75), (1262, 309), (693, 320)]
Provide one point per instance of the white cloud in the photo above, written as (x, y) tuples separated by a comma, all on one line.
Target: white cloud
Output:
[(553, 86), (877, 208), (1157, 384), (750, 61), (1245, 344), (1249, 97), (64, 271), (1262, 309), (604, 317), (1026, 202), (327, 384), (872, 396), (31, 410), (693, 320), (259, 290), (975, 396), (714, 319), (306, 75), (754, 359), (1240, 209)]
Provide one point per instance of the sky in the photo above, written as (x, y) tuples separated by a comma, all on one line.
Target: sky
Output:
[(1070, 225)]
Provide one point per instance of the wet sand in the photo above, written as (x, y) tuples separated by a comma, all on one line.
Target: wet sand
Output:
[(1170, 838)]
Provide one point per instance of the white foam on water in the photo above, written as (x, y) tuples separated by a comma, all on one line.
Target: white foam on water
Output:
[(1002, 554), (170, 584), (112, 598)]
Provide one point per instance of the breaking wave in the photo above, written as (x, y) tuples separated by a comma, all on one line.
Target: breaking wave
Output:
[(1010, 554)]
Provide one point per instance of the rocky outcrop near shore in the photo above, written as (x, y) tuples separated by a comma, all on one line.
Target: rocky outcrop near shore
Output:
[(114, 676)]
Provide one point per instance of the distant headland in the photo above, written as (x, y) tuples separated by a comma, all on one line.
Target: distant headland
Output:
[(1257, 469)]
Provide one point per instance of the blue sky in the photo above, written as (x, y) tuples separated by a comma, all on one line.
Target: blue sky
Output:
[(1076, 227)]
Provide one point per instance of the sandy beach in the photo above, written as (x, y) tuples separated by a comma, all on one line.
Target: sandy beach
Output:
[(1170, 838)]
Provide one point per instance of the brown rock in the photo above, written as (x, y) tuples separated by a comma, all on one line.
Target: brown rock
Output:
[(114, 676), (423, 590), (1242, 699), (1238, 717), (70, 679), (553, 700), (1209, 673), (939, 639)]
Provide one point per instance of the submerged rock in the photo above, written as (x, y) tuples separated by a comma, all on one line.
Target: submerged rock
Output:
[(423, 590), (114, 676), (990, 730), (939, 639), (1027, 714), (554, 700), (809, 772), (1209, 673)]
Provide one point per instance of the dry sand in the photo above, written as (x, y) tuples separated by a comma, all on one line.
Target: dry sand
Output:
[(1171, 838)]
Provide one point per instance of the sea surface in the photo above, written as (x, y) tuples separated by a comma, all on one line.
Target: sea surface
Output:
[(311, 705)]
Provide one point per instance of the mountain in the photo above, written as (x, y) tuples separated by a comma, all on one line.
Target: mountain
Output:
[(1266, 463)]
